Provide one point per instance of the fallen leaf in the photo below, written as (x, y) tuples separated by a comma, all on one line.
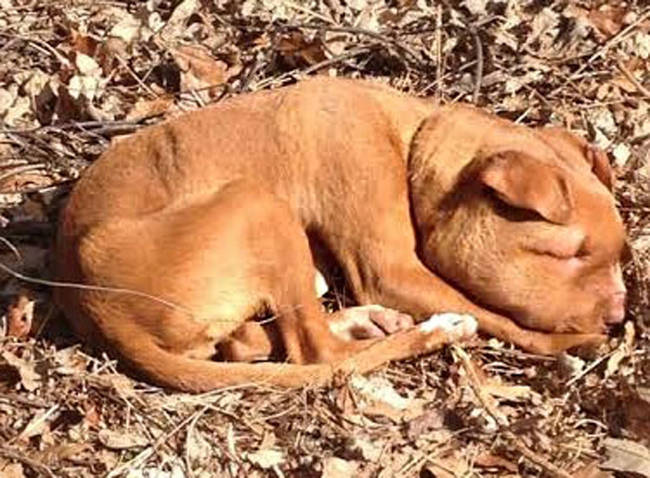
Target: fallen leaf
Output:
[(83, 87), (149, 108), (20, 315), (592, 471), (607, 20), (636, 408), (13, 470), (39, 423), (127, 29), (198, 450), (425, 423), (200, 69), (334, 467), (378, 397), (475, 7), (121, 440), (87, 66), (621, 154), (7, 98), (450, 466), (512, 393), (17, 111), (266, 459), (298, 51), (489, 460), (366, 450), (627, 456), (176, 22), (29, 378), (83, 43)]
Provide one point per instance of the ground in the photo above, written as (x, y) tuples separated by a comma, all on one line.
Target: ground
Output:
[(76, 74)]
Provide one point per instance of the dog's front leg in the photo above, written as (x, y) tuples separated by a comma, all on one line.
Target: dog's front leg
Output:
[(407, 285)]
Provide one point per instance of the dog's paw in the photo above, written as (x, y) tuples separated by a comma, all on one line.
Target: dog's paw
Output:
[(368, 321), (455, 326)]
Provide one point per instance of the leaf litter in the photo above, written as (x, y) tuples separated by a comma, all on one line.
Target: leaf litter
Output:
[(75, 77)]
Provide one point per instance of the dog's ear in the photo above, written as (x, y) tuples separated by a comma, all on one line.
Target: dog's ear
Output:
[(566, 144), (524, 182)]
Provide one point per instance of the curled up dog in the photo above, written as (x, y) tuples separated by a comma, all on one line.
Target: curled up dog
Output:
[(224, 213)]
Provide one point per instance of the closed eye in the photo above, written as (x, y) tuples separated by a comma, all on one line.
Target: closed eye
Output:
[(562, 247)]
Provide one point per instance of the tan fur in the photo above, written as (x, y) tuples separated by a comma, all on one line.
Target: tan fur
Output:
[(220, 212)]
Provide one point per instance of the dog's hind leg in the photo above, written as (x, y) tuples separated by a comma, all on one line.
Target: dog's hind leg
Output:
[(222, 259)]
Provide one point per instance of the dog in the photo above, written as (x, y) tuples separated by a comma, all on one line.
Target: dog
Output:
[(190, 229)]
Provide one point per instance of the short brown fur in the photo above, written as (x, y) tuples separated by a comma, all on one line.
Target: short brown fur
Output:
[(215, 211)]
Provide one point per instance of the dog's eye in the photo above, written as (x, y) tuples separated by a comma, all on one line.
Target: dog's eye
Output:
[(582, 251), (561, 245), (568, 253)]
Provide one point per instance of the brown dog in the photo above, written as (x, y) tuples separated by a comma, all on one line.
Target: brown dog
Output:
[(213, 218)]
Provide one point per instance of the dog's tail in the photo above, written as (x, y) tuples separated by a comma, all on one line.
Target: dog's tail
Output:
[(194, 375)]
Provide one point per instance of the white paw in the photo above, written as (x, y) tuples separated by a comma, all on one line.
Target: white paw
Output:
[(455, 325)]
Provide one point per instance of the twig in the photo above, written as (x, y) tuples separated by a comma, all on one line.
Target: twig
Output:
[(302, 9), (143, 456), (630, 76), (98, 288), (502, 422), (616, 39), (478, 77), (83, 125), (33, 464), (20, 170), (361, 31), (438, 53), (332, 61), (28, 402)]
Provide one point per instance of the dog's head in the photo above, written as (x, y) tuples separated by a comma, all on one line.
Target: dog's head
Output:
[(525, 222)]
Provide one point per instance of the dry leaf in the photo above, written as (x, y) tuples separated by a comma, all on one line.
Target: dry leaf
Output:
[(266, 459), (488, 460), (83, 43), (366, 450), (426, 423), (29, 378), (623, 350), (627, 456), (607, 20), (39, 424), (636, 408), (200, 69), (121, 440), (448, 467), (87, 66), (176, 23), (197, 448), (297, 51), (512, 393), (126, 29), (149, 108), (378, 397), (14, 470), (334, 467), (20, 315)]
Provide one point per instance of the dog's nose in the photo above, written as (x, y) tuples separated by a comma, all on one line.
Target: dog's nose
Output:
[(616, 312)]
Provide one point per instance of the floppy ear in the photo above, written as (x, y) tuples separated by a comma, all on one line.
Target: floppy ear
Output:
[(595, 157), (526, 183)]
